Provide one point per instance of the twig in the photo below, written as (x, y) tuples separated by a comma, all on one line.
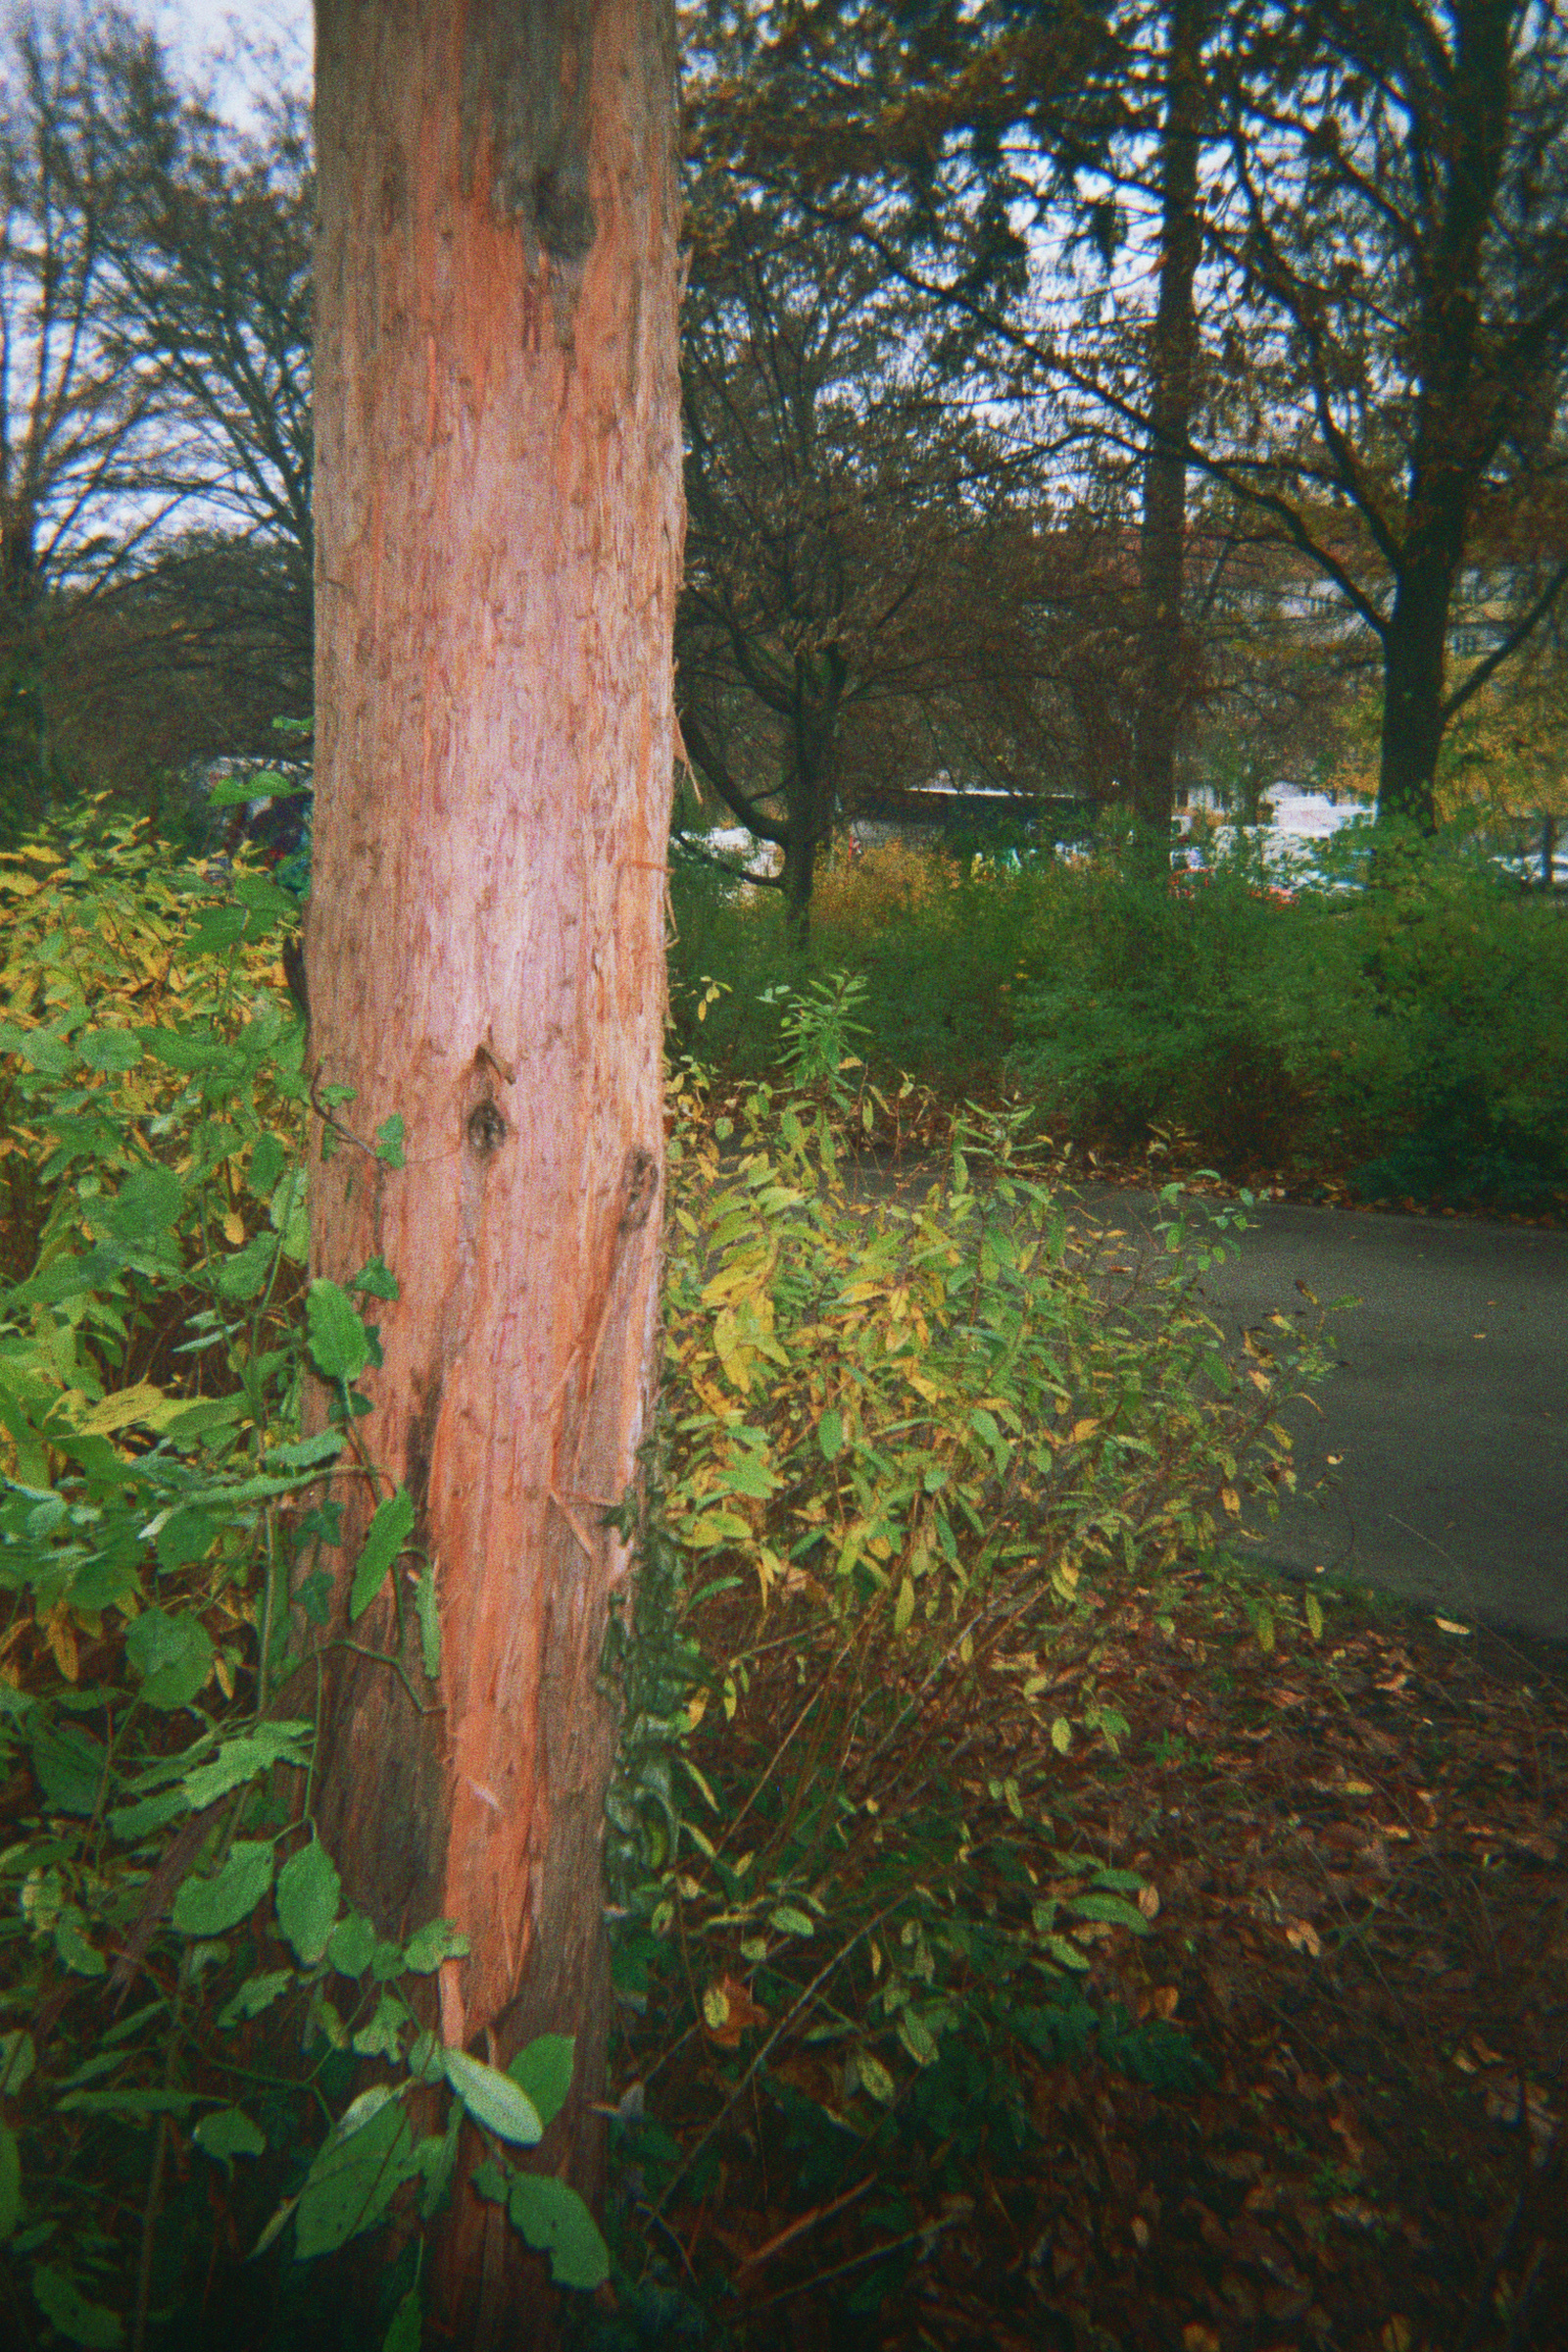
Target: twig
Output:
[(790, 2017), (926, 2236), (807, 2220)]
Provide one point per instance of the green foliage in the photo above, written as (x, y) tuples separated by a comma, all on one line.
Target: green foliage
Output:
[(1399, 1021), (895, 1437), (156, 1331)]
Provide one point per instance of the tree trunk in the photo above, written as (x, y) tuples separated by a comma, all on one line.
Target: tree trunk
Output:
[(1163, 543), (1414, 660), (809, 791), (498, 548)]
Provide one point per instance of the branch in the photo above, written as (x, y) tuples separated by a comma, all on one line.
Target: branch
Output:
[(1510, 645)]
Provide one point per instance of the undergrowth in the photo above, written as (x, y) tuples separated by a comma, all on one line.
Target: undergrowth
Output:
[(896, 1447), (1395, 1025)]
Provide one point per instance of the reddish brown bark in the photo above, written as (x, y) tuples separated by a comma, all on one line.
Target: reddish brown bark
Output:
[(498, 549)]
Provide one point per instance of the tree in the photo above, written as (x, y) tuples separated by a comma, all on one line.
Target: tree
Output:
[(1403, 184), (213, 293), (77, 430), (1369, 348), (498, 519), (851, 533)]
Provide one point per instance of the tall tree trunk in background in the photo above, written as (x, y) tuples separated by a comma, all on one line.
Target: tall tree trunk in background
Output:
[(498, 507), (1414, 657), (1162, 548), (808, 786)]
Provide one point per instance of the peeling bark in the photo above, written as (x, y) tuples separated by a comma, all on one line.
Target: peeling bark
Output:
[(498, 551)]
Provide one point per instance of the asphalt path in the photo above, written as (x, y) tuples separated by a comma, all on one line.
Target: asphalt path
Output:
[(1439, 1444)]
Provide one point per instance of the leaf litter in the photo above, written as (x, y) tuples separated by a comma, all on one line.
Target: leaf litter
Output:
[(1356, 1914)]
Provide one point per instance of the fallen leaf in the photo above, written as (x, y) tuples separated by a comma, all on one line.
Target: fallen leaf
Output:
[(1148, 1902), (727, 2010), (1164, 1999), (1302, 1936), (1446, 1624)]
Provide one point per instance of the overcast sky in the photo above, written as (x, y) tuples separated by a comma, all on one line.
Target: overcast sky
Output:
[(197, 32)]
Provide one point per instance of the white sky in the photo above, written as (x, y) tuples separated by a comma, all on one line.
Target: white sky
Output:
[(197, 32)]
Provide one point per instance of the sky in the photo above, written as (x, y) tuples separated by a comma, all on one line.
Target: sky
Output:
[(197, 31)]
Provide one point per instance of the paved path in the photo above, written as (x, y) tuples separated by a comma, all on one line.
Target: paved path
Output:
[(1444, 1431)]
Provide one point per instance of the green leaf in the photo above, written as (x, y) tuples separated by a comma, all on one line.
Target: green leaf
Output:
[(543, 2073), (308, 1891), (1113, 1908), (381, 2037), (390, 1530), (875, 2078), (353, 2179), (268, 1159), (904, 1609), (351, 1945), (555, 2220), (245, 1273), (254, 1996), (437, 1940), (220, 929), (430, 1616), (82, 1958), (338, 1340), (227, 2133), (377, 1278), (918, 2038), (830, 1434), (267, 784), (789, 1921), (241, 1759), (109, 1049), (492, 2098), (17, 2059), (439, 2163), (304, 1454), (207, 1906), (408, 2324), (173, 1656), (80, 2321), (146, 1205), (389, 1140), (69, 1765), (1314, 1616), (10, 2183), (212, 1412), (138, 2106)]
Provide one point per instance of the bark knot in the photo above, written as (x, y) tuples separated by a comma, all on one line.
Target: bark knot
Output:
[(486, 1128)]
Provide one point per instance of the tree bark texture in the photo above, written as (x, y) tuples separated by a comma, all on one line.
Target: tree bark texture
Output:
[(499, 521), (1163, 542)]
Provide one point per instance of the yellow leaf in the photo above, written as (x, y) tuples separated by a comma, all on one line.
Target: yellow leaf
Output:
[(1302, 1936), (1062, 1735), (233, 1229), (1232, 1502), (62, 1640), (1314, 1616), (144, 1402), (1081, 1430)]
